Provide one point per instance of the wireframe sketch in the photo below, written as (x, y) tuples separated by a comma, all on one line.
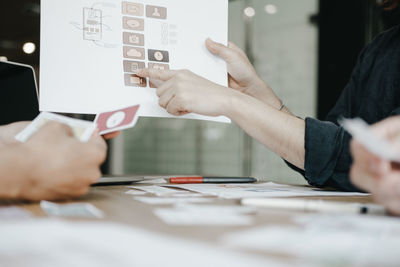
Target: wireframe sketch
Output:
[(92, 24)]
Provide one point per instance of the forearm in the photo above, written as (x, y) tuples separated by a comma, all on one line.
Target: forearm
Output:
[(14, 171), (280, 131)]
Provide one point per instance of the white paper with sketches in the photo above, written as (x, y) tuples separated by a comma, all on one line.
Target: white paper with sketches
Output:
[(91, 50), (237, 191)]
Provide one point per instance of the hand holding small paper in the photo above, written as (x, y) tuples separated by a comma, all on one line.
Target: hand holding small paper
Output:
[(375, 174), (59, 165)]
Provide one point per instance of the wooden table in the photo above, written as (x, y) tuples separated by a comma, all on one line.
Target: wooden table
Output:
[(122, 208)]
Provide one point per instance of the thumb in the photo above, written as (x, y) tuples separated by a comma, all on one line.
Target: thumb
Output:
[(219, 49)]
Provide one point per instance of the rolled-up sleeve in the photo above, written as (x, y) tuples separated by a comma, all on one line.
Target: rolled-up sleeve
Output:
[(327, 156)]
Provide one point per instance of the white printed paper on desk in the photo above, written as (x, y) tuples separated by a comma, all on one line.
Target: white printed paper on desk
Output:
[(91, 50)]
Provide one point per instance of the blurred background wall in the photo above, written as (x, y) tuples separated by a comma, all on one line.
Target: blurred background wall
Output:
[(305, 50)]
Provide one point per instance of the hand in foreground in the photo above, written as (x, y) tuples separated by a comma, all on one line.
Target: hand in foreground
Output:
[(61, 166), (375, 175), (242, 75), (184, 92)]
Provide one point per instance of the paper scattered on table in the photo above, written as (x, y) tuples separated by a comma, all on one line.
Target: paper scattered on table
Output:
[(58, 243), (83, 130), (206, 215), (157, 190), (328, 240), (104, 44), (76, 210), (237, 191), (361, 131), (14, 213), (153, 180), (171, 200), (135, 193)]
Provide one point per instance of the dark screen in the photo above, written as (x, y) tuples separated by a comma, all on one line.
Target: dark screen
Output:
[(18, 98)]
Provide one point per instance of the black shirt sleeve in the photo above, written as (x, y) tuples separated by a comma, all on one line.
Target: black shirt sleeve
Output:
[(327, 153), (373, 94)]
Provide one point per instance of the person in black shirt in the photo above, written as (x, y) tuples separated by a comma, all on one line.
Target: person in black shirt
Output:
[(317, 149)]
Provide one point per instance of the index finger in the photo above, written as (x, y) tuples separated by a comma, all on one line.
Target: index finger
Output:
[(163, 75)]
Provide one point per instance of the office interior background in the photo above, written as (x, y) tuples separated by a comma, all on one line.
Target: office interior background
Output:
[(305, 50)]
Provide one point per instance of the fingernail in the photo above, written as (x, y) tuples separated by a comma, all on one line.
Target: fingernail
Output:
[(210, 42)]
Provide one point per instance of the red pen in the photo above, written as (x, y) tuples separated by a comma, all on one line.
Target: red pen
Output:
[(211, 180)]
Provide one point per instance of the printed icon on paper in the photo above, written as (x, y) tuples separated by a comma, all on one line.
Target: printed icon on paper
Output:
[(156, 12), (133, 66), (134, 80), (136, 39), (158, 55), (132, 9), (92, 24), (134, 52), (133, 24), (157, 66), (117, 120)]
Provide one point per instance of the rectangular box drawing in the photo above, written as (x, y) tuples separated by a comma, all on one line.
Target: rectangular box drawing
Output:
[(133, 66), (132, 9), (156, 12), (158, 66), (133, 24), (92, 24), (135, 81), (135, 39), (134, 52), (158, 55)]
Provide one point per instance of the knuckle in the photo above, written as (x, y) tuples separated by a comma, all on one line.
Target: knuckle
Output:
[(180, 75)]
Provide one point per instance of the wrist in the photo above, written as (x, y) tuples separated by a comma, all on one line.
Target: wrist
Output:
[(232, 101), (262, 91), (27, 167)]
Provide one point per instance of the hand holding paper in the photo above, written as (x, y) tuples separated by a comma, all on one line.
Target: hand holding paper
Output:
[(377, 170), (56, 165), (108, 124), (375, 140)]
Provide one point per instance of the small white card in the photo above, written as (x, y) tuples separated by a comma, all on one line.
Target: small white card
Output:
[(83, 130), (361, 131)]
